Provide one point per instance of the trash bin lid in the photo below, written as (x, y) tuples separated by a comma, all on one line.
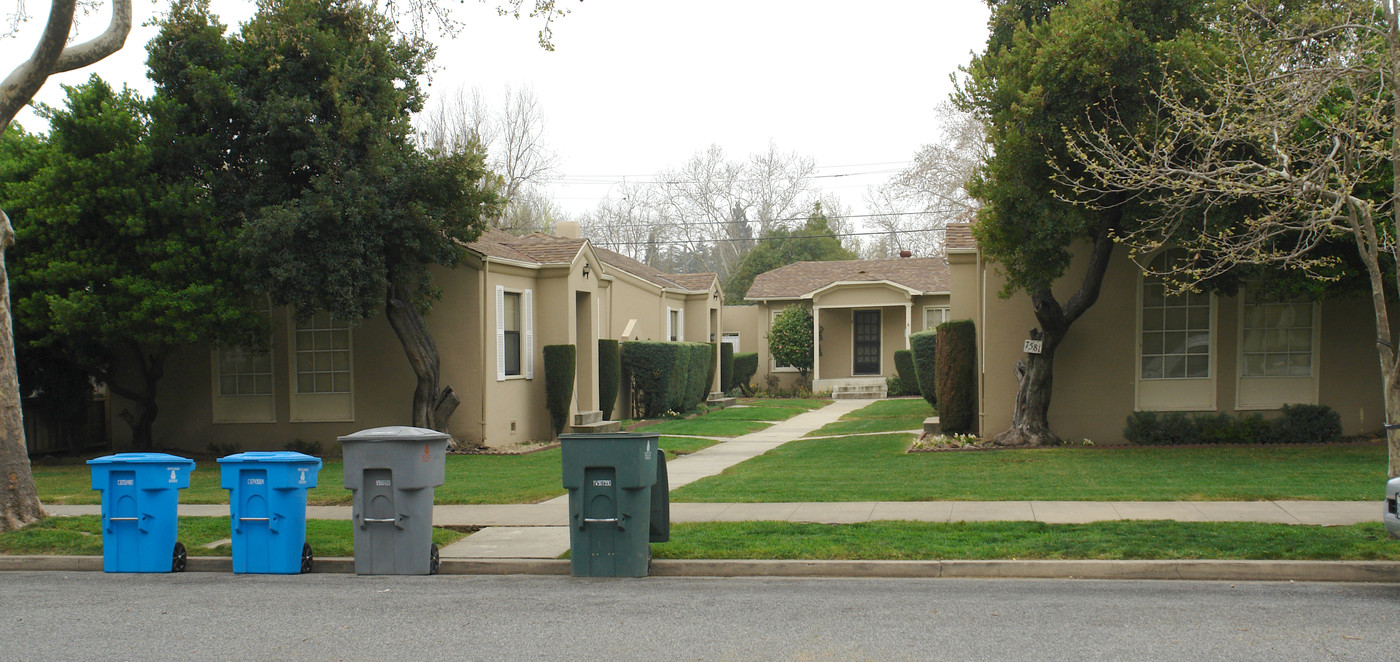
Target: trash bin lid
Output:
[(269, 456), (140, 458), (396, 433)]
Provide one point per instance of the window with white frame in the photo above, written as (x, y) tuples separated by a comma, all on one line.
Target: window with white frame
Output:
[(933, 316), (515, 346), (675, 324), (1176, 328), (322, 355), (1277, 336), (732, 338)]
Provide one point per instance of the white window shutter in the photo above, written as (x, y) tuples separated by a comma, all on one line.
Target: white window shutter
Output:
[(500, 333), (680, 320), (527, 315)]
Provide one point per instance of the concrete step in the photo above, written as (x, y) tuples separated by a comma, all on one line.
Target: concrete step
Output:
[(931, 426), (864, 391), (598, 427), (587, 417), (720, 401)]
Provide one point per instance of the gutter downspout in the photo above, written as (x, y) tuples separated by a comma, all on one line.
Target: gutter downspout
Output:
[(485, 271)]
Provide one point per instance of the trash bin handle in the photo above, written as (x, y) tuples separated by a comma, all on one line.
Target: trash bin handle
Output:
[(604, 520)]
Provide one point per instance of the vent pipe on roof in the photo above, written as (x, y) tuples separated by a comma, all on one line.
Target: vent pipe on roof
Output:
[(566, 229)]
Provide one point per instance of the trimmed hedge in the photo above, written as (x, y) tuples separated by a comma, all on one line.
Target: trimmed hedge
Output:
[(710, 358), (726, 366), (1299, 424), (609, 375), (558, 383), (745, 367), (665, 376), (924, 352), (955, 374), (908, 376)]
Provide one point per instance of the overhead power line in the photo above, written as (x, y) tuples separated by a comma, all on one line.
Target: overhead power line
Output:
[(676, 242), (691, 224)]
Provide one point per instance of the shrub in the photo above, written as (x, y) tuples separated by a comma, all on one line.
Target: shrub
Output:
[(726, 366), (790, 338), (609, 375), (312, 448), (894, 387), (558, 383), (648, 366), (1300, 424), (908, 375), (1307, 424), (699, 369), (710, 359), (745, 367), (955, 377), (924, 351)]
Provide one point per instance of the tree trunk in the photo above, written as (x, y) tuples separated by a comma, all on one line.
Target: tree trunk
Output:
[(1030, 422), (19, 504), (432, 406), (150, 368)]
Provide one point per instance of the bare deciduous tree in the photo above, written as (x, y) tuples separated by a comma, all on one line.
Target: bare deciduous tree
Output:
[(1291, 137)]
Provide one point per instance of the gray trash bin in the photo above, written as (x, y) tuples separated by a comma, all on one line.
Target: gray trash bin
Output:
[(1392, 507), (392, 472), (612, 512)]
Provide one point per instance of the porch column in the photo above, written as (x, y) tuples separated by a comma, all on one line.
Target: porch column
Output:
[(908, 322), (816, 343)]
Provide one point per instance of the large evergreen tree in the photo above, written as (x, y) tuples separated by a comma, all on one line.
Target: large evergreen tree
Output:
[(814, 241)]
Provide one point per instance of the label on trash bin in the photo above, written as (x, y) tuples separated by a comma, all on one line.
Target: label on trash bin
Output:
[(126, 481), (255, 481), (382, 483), (602, 483), (172, 471), (302, 479)]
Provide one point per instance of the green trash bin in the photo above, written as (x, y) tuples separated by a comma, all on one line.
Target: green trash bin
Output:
[(611, 524)]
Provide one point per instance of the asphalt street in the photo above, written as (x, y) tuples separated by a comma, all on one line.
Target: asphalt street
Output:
[(211, 616)]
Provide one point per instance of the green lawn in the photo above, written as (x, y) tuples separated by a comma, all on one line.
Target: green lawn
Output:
[(876, 468), (676, 446), (880, 416), (82, 536), (800, 403), (702, 426), (754, 413), (469, 479), (1027, 540)]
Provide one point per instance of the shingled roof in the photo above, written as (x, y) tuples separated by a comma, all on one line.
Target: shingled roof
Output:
[(541, 248), (958, 236), (926, 275)]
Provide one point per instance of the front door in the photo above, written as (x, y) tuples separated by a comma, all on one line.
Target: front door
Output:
[(866, 350)]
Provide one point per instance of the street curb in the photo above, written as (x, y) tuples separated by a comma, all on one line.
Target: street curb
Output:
[(1211, 570)]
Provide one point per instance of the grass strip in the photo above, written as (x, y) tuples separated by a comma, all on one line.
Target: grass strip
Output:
[(877, 468), (1138, 540), (880, 416), (82, 536), (703, 426), (469, 479), (800, 403), (677, 446), (754, 413)]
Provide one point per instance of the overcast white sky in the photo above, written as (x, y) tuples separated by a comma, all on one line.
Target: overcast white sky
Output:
[(638, 86)]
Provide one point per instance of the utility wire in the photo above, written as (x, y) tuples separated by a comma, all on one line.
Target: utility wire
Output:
[(686, 224), (677, 242)]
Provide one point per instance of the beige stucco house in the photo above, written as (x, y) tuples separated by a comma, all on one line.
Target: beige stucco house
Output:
[(864, 310), (1139, 348), (509, 298)]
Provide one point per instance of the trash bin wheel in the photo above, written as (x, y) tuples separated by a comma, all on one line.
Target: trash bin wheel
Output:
[(433, 560), (177, 559), (306, 558)]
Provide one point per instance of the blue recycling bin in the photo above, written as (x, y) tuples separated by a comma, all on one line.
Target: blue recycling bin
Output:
[(267, 510), (140, 503)]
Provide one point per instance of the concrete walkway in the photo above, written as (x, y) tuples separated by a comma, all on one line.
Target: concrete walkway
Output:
[(540, 530)]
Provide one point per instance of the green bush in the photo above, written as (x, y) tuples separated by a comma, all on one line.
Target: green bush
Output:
[(726, 366), (1307, 424), (1299, 424), (647, 367), (609, 375), (711, 358), (790, 338), (955, 376), (745, 367), (924, 351), (700, 368), (893, 387), (558, 383), (908, 375)]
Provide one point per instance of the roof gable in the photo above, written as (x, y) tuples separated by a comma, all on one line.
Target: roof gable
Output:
[(800, 279)]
